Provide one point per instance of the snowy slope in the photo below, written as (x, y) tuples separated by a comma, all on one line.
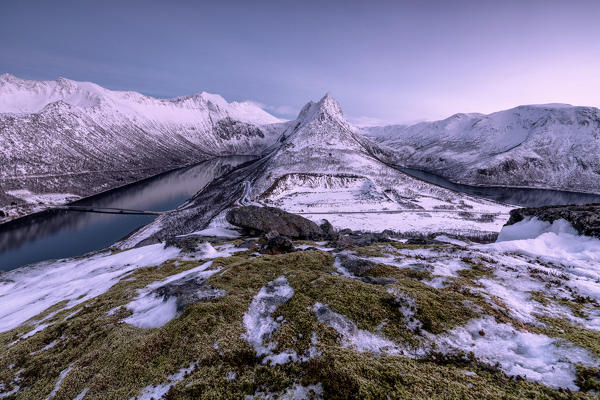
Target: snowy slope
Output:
[(544, 146), (323, 168), (79, 137)]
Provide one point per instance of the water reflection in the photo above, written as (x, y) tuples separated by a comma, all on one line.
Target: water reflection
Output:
[(58, 234), (519, 197)]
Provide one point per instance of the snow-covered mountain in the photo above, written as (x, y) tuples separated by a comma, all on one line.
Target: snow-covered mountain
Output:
[(323, 168), (76, 137), (544, 146)]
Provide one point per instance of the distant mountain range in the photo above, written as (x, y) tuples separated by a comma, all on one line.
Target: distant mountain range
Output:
[(552, 146), (76, 137), (64, 139)]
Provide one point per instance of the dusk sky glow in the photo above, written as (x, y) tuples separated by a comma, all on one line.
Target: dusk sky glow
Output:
[(385, 61)]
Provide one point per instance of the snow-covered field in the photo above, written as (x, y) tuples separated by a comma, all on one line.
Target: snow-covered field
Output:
[(43, 198), (534, 274)]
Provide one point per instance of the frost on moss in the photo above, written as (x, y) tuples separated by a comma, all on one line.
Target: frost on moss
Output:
[(204, 352)]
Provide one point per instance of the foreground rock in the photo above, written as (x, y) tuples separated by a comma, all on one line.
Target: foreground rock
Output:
[(584, 218), (356, 265), (405, 320), (277, 244), (188, 292), (266, 219)]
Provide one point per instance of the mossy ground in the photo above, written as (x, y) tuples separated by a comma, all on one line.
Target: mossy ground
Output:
[(115, 360)]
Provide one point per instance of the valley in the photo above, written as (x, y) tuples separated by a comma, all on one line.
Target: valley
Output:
[(290, 272)]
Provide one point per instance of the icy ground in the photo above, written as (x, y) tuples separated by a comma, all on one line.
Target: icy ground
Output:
[(532, 298)]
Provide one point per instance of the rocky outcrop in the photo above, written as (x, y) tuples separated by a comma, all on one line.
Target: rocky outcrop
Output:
[(584, 218), (347, 238), (277, 244), (188, 292), (356, 265), (255, 219)]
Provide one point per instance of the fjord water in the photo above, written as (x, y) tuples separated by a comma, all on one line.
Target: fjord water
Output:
[(59, 234), (522, 197)]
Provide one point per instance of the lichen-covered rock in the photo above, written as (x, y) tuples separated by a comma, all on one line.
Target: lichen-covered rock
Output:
[(266, 219), (356, 265), (188, 244), (188, 292), (347, 238), (584, 218), (328, 230), (277, 244), (378, 281)]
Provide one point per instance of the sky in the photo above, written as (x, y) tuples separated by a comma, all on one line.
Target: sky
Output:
[(384, 61)]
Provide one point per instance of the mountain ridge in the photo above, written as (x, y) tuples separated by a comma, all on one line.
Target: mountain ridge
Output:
[(79, 135), (323, 168), (548, 146)]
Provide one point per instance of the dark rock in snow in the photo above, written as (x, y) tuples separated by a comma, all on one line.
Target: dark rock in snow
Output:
[(147, 242), (378, 281), (423, 241), (328, 230), (347, 238), (248, 244), (277, 244), (188, 292), (356, 265), (267, 219), (187, 244), (584, 218)]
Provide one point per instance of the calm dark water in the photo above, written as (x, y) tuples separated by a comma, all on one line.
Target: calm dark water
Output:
[(515, 196), (59, 234)]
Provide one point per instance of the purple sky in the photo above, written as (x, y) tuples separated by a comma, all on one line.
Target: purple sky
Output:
[(385, 61)]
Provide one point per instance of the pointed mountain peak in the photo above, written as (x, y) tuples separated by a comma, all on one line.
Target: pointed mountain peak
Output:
[(326, 108), (330, 105)]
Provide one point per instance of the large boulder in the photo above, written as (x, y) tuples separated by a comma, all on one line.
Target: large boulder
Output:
[(266, 219), (584, 218)]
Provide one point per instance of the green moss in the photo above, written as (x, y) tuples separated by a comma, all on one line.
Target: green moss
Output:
[(389, 271), (115, 360), (346, 374), (539, 297), (477, 271), (438, 309), (588, 378), (375, 250), (405, 246), (587, 338)]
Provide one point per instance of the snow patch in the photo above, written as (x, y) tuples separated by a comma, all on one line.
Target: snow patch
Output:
[(535, 357), (61, 378), (81, 395), (153, 311), (26, 292), (361, 340), (531, 228), (155, 392), (295, 392), (260, 324), (43, 198), (407, 307), (218, 232)]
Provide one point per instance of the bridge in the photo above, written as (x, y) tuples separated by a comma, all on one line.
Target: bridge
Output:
[(108, 210)]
